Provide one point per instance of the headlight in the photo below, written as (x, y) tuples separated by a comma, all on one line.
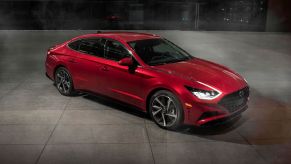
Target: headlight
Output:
[(203, 94)]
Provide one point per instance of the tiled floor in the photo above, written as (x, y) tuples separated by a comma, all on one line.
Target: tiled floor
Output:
[(38, 125)]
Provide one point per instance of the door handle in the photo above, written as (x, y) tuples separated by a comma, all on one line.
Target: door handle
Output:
[(104, 68)]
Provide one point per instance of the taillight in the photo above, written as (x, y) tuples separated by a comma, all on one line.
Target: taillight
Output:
[(52, 48)]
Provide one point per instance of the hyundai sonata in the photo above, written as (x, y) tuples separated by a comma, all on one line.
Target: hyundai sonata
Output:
[(150, 73)]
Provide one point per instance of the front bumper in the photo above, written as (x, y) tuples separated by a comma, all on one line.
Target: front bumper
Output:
[(221, 117), (229, 107)]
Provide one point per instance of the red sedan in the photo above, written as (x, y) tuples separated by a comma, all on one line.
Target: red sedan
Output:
[(150, 73)]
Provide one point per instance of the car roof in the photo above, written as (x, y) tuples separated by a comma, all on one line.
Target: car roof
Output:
[(125, 36)]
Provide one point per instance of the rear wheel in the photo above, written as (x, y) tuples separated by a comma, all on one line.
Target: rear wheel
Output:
[(64, 82), (166, 110)]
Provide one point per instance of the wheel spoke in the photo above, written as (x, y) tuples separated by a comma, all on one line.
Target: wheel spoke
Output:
[(157, 100), (66, 77), (171, 115), (67, 84), (59, 84), (63, 86), (164, 120), (159, 109), (168, 104), (59, 76)]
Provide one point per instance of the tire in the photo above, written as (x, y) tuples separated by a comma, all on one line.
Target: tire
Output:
[(166, 116), (63, 81)]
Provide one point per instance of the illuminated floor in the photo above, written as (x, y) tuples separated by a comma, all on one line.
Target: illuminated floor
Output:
[(38, 125)]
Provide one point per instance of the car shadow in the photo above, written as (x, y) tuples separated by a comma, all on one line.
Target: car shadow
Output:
[(223, 129), (114, 104)]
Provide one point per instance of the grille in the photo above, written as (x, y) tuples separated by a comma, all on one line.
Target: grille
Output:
[(236, 100)]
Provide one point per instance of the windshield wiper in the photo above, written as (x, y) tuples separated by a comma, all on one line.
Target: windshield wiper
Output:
[(170, 61), (177, 60)]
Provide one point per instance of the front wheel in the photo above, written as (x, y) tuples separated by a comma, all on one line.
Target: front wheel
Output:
[(64, 82), (166, 110)]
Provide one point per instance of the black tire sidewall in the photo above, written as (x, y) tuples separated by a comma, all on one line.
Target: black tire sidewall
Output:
[(180, 111)]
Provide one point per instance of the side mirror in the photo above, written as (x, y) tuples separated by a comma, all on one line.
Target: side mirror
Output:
[(126, 61)]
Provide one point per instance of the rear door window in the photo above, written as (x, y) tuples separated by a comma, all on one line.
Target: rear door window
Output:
[(91, 46), (75, 45)]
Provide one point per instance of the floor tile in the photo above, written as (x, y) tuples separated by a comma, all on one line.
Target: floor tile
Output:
[(275, 151), (16, 154), (205, 152), (255, 130), (99, 117), (8, 86), (97, 153), (65, 134), (25, 134), (24, 100), (30, 116), (156, 134)]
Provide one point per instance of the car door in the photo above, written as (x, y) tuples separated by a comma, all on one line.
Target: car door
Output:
[(122, 83), (87, 64)]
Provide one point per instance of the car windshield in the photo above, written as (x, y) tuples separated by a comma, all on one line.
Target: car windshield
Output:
[(159, 51)]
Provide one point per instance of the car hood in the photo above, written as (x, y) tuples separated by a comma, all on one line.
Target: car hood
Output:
[(206, 72)]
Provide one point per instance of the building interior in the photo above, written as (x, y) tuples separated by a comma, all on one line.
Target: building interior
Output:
[(40, 126)]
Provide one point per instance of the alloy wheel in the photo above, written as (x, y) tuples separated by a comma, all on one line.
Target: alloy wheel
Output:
[(164, 110), (63, 81)]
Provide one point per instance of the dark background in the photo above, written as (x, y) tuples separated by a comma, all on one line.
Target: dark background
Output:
[(233, 15)]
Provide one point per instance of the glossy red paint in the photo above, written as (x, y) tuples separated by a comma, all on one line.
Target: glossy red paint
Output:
[(110, 78)]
